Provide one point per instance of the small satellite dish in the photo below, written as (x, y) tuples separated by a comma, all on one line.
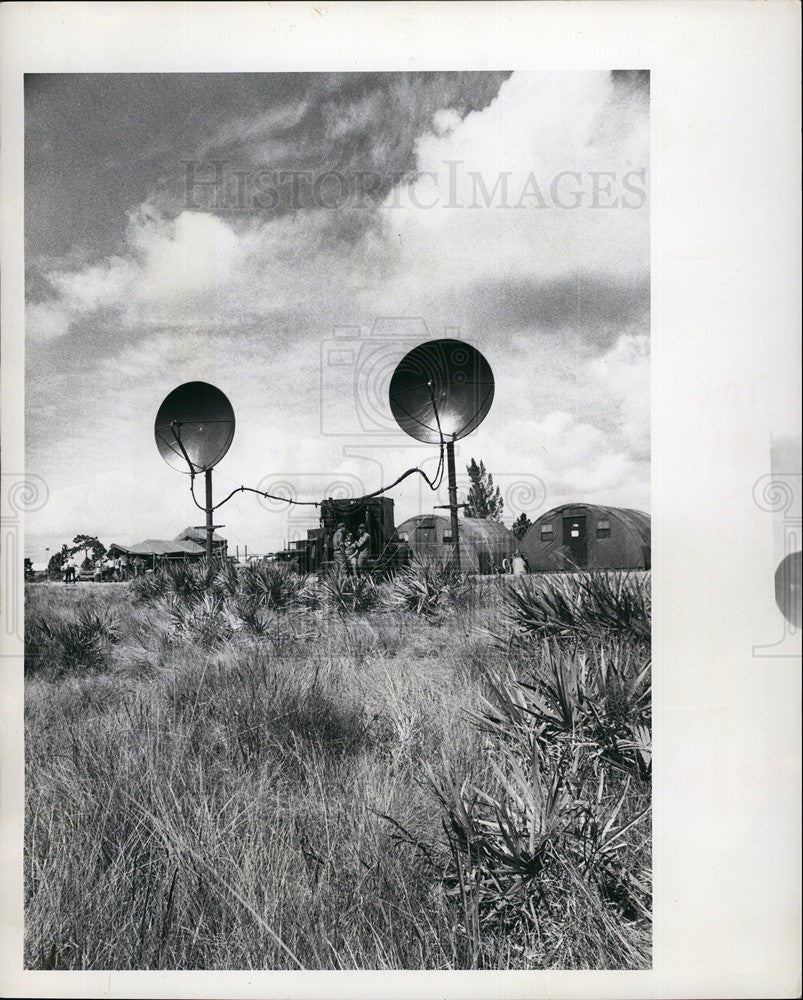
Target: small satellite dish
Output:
[(194, 427), (442, 381), (788, 594)]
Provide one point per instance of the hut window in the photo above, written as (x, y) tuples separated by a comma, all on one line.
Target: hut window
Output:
[(447, 538), (603, 529), (403, 536), (546, 532)]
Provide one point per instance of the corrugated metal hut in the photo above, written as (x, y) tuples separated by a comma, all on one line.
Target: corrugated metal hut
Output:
[(587, 536), (483, 543)]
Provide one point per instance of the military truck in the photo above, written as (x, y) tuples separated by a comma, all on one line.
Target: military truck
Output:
[(315, 553)]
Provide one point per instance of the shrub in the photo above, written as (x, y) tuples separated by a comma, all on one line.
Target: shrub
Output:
[(539, 829), (255, 617), (559, 811), (66, 645), (227, 579), (599, 697), (191, 581), (150, 586), (274, 586), (185, 580), (587, 604), (427, 587), (349, 594), (208, 621)]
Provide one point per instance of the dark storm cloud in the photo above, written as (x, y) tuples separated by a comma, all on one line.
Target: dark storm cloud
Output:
[(596, 308), (98, 144)]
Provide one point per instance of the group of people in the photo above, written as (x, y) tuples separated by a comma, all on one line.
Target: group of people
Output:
[(351, 551), (121, 567), (70, 569)]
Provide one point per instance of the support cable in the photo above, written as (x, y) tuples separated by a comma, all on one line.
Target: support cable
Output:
[(434, 483)]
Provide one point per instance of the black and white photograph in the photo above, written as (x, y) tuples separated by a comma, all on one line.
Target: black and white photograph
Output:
[(338, 603), (400, 514)]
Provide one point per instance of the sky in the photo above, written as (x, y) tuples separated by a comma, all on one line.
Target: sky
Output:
[(353, 217)]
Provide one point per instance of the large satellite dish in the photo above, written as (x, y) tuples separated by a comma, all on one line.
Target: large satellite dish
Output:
[(194, 427), (442, 382)]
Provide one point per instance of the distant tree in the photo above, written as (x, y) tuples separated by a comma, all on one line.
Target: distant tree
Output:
[(57, 560), (484, 499), (88, 544), (521, 525), (28, 568)]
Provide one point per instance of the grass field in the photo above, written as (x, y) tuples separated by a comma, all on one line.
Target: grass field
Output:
[(272, 771)]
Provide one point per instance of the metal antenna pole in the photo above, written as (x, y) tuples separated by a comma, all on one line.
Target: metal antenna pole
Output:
[(209, 526), (453, 503)]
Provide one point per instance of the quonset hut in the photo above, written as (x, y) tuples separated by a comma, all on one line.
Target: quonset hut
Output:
[(483, 543), (585, 536)]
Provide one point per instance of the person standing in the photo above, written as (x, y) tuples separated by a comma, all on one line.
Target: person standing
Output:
[(351, 553), (339, 547), (362, 549)]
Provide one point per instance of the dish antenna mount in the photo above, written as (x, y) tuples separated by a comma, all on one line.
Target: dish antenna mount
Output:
[(193, 430), (440, 392)]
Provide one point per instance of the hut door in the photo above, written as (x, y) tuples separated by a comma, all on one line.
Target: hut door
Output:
[(575, 540)]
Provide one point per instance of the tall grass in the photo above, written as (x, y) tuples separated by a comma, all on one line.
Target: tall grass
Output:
[(334, 785)]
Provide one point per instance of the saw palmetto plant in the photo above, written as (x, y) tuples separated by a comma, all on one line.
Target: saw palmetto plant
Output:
[(428, 587), (274, 586), (62, 645), (346, 594), (598, 604)]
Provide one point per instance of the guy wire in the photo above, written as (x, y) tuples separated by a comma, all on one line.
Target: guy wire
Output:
[(434, 483)]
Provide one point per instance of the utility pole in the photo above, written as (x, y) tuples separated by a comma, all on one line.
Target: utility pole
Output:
[(209, 526), (453, 502)]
